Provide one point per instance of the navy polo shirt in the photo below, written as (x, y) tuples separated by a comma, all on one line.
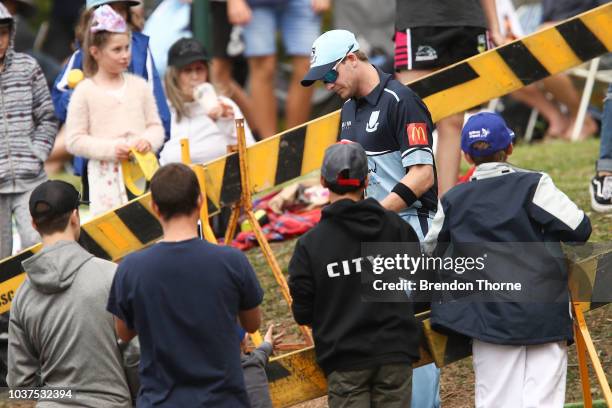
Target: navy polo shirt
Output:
[(183, 298), (395, 128)]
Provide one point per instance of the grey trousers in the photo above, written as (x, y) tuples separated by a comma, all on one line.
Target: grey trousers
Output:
[(15, 206)]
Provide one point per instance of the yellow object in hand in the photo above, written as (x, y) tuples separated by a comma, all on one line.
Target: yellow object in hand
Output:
[(138, 171), (74, 77)]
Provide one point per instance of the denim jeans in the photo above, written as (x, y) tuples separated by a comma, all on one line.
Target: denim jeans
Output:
[(605, 145), (426, 387)]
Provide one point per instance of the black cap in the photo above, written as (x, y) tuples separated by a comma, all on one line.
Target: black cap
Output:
[(345, 165), (53, 198), (185, 51)]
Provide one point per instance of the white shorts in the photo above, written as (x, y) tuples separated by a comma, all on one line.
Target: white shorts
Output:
[(520, 376)]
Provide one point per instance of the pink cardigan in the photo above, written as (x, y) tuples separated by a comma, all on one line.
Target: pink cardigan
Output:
[(97, 121)]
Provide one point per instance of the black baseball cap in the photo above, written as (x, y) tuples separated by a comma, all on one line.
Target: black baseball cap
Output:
[(185, 51), (345, 165), (53, 198)]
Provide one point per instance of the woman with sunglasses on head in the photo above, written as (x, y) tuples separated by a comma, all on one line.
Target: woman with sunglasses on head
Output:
[(198, 114)]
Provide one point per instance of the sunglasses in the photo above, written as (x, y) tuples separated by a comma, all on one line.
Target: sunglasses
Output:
[(332, 75)]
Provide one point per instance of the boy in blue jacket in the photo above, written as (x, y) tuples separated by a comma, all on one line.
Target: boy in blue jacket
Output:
[(519, 343)]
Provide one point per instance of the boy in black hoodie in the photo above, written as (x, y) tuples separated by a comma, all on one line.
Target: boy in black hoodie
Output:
[(366, 349)]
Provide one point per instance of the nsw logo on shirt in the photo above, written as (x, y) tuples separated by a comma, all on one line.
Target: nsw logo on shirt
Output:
[(373, 122), (417, 134)]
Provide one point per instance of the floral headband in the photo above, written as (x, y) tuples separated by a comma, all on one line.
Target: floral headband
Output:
[(107, 19)]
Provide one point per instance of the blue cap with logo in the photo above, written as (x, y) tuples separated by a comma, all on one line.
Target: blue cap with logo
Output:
[(327, 50), (485, 127)]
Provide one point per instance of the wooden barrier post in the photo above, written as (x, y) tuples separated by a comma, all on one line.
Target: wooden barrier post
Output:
[(207, 231), (584, 348), (246, 204)]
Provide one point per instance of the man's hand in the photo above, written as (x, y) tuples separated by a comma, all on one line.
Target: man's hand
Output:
[(489, 9), (320, 6), (497, 39), (238, 12)]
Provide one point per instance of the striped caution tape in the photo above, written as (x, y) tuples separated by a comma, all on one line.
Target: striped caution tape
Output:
[(300, 150)]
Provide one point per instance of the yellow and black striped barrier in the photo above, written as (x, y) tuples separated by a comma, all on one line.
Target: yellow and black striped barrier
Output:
[(517, 64), (296, 377), (111, 236)]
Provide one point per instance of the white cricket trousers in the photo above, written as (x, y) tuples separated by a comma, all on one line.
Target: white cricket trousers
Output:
[(520, 376)]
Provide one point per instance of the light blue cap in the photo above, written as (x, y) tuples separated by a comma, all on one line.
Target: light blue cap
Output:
[(328, 49), (95, 3)]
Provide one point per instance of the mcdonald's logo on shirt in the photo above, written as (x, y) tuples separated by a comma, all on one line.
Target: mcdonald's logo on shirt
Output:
[(417, 134)]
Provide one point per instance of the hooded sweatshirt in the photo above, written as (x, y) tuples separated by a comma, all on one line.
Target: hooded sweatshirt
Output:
[(350, 334), (59, 323), (27, 122)]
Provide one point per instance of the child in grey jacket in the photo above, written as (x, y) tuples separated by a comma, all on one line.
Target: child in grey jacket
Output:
[(28, 128), (254, 367)]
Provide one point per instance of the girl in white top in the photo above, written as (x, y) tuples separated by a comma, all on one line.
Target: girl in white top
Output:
[(209, 131), (110, 111)]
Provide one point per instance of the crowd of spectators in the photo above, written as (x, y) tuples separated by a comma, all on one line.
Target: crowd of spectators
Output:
[(85, 88)]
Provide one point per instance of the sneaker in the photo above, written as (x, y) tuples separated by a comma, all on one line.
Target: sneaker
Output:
[(601, 193)]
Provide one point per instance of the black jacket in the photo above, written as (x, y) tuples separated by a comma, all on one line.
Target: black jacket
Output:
[(521, 218), (326, 288)]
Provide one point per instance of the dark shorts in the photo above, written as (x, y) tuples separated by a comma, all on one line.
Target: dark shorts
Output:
[(427, 48), (220, 30)]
